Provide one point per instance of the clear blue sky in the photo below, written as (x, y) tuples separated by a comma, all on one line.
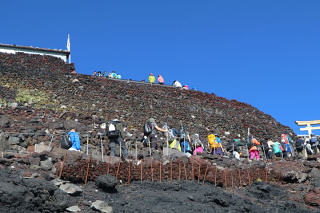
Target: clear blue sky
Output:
[(262, 52)]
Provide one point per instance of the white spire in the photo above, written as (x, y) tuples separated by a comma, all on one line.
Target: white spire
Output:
[(68, 47)]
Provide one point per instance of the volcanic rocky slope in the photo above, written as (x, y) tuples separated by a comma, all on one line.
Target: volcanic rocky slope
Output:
[(43, 85), (41, 97)]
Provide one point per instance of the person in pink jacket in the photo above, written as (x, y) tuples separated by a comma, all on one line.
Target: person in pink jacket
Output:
[(198, 149), (160, 79)]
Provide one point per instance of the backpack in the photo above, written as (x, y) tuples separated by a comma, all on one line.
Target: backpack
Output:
[(172, 135), (313, 140), (175, 145), (65, 142), (284, 147), (147, 128), (112, 130), (299, 145), (185, 146)]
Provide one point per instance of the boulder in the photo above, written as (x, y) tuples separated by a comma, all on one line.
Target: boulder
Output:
[(101, 206), (71, 189), (4, 121), (315, 177), (73, 209), (13, 140), (312, 198), (173, 153), (3, 142), (46, 164), (294, 177), (107, 183)]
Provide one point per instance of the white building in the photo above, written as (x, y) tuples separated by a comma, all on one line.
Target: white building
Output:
[(12, 49)]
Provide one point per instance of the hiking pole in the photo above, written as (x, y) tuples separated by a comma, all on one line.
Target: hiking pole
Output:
[(233, 149), (120, 149), (52, 136), (101, 146), (167, 140), (149, 143), (265, 156), (129, 149), (248, 139), (136, 150), (87, 144)]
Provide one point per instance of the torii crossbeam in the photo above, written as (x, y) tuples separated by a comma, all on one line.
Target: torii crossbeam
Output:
[(309, 128)]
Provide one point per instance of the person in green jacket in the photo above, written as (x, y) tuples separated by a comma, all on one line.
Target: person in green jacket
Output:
[(152, 79), (277, 149)]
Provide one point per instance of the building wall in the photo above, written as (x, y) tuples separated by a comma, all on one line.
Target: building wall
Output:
[(39, 52)]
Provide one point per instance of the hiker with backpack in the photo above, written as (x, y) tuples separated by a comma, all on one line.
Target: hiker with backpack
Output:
[(196, 141), (234, 148), (177, 84), (75, 140), (150, 131), (277, 149), (174, 134), (269, 149), (301, 148), (198, 149), (254, 152), (314, 143), (116, 133), (215, 144), (287, 151), (185, 140)]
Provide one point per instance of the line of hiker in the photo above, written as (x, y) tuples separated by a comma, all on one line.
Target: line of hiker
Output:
[(177, 84), (152, 79), (112, 74), (190, 144)]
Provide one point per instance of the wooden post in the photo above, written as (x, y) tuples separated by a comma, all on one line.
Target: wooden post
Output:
[(199, 173), (225, 178), (118, 170), (266, 177), (280, 175), (160, 171), (108, 168), (192, 171), (62, 165), (179, 171), (171, 170), (231, 179), (129, 173), (151, 171), (185, 170), (215, 176), (249, 181), (205, 173), (239, 177), (87, 174), (141, 171)]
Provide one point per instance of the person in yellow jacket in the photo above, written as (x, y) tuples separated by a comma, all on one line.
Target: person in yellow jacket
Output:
[(152, 79), (215, 144)]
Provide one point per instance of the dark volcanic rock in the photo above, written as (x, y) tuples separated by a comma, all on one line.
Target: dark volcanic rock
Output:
[(4, 121), (313, 197), (107, 183), (29, 195)]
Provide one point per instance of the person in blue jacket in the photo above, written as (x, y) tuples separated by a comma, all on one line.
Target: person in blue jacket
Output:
[(75, 140)]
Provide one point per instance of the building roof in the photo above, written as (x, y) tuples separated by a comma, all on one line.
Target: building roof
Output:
[(13, 46)]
